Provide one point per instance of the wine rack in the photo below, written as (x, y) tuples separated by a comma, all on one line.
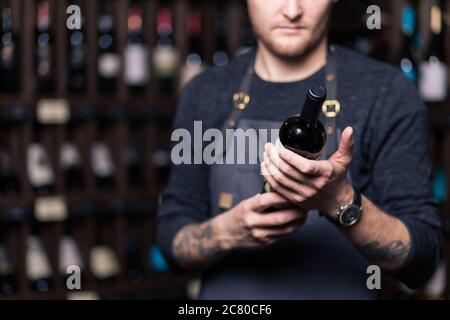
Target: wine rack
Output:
[(92, 108)]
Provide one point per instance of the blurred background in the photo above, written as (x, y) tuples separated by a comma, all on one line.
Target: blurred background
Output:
[(85, 125)]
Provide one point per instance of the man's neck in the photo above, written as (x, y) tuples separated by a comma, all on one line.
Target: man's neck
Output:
[(273, 68)]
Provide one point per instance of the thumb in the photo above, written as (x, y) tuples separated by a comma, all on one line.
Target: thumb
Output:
[(344, 153)]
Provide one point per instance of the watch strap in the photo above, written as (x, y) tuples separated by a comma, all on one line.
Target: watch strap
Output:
[(356, 201)]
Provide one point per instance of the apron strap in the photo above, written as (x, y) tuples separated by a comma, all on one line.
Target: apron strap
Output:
[(241, 99), (330, 109)]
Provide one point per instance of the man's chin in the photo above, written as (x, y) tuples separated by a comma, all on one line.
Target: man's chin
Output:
[(289, 52)]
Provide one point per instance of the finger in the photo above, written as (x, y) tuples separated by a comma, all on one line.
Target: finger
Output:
[(278, 219), (305, 166), (288, 169), (307, 189), (345, 150), (270, 235), (287, 193), (261, 202)]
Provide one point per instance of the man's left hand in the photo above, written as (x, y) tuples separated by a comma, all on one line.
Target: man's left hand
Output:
[(311, 184)]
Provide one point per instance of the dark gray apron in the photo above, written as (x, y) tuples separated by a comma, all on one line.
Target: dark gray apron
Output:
[(316, 262)]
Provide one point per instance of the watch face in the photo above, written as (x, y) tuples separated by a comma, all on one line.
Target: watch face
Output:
[(350, 215)]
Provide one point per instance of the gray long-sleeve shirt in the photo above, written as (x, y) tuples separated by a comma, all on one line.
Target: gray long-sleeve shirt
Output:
[(391, 166)]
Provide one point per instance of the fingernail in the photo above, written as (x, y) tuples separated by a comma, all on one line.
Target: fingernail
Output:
[(352, 135)]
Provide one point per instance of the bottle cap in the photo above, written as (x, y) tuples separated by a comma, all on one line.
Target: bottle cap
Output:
[(317, 92)]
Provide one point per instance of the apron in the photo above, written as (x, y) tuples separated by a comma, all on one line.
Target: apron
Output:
[(316, 262)]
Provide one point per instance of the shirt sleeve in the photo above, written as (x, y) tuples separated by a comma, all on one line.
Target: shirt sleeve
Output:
[(401, 176), (185, 199)]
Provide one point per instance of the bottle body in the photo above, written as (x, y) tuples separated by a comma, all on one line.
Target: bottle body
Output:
[(136, 54), (307, 141), (45, 73), (304, 134), (433, 80), (109, 63), (9, 53)]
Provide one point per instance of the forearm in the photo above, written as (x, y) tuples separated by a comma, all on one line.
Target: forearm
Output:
[(383, 239), (247, 225), (196, 246)]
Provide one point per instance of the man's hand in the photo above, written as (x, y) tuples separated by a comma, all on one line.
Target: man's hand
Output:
[(248, 226), (244, 226), (322, 185), (311, 184)]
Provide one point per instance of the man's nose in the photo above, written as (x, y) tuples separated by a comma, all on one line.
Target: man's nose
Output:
[(292, 9)]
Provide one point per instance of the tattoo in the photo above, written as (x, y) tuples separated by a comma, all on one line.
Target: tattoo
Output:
[(392, 253), (194, 245)]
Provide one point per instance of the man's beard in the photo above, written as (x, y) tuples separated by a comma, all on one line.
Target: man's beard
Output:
[(302, 50)]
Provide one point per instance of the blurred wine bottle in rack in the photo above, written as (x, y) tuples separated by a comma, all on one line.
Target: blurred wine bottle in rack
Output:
[(433, 83), (109, 62), (9, 49)]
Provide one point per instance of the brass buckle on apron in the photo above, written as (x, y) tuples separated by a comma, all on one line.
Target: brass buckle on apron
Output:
[(225, 200), (331, 108), (241, 100)]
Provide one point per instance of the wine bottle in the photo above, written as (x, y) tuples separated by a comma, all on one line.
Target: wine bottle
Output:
[(161, 162), (69, 255), (9, 66), (433, 71), (108, 59), (435, 287), (39, 169), (408, 60), (305, 135), (77, 61), (102, 165), (104, 264), (9, 180), (44, 52), (135, 269), (38, 268), (70, 162), (194, 59), (137, 70), (8, 283), (165, 55), (17, 113), (11, 221), (134, 166), (220, 57)]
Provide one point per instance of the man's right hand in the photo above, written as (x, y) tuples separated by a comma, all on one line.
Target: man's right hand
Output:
[(248, 226), (244, 226)]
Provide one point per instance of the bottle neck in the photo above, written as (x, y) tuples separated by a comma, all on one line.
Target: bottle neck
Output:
[(311, 112)]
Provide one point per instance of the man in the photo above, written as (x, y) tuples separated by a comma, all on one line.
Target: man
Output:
[(214, 219)]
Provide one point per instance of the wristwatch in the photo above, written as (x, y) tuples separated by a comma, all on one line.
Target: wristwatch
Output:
[(348, 215)]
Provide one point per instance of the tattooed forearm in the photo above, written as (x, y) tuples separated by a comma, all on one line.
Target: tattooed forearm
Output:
[(196, 246), (393, 253)]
